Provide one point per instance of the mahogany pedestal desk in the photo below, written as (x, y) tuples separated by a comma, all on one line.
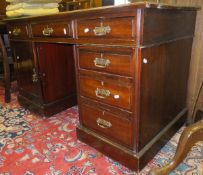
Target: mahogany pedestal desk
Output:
[(131, 64)]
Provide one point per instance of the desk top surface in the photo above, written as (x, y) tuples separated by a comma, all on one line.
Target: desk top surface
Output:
[(108, 8)]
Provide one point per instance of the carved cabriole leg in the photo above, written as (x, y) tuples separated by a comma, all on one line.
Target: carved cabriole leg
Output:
[(191, 135)]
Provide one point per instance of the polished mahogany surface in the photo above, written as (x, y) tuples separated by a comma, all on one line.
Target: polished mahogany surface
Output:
[(131, 70)]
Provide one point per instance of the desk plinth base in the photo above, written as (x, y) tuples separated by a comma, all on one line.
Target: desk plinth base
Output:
[(48, 110), (130, 159)]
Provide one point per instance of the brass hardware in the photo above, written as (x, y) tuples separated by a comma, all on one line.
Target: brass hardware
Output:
[(47, 31), (102, 93), (16, 32), (103, 123), (101, 62), (102, 30), (34, 76)]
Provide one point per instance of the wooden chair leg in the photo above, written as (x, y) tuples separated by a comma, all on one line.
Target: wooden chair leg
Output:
[(6, 72), (191, 135)]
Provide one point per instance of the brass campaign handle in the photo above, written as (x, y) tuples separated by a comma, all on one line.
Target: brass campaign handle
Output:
[(102, 93), (47, 31), (103, 123), (102, 30)]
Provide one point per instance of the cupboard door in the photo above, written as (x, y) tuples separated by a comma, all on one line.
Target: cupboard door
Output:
[(56, 69), (27, 76)]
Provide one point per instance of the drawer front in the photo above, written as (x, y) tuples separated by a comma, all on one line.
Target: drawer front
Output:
[(110, 62), (18, 31), (112, 28), (107, 124), (56, 29), (106, 92)]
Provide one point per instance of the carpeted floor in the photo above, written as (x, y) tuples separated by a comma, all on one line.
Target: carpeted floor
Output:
[(32, 145)]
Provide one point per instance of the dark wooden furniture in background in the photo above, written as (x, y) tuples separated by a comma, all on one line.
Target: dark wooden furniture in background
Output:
[(68, 5), (5, 77), (132, 65), (107, 2), (3, 5)]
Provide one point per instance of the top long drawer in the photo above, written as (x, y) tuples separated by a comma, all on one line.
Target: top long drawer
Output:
[(108, 28), (56, 29), (18, 31)]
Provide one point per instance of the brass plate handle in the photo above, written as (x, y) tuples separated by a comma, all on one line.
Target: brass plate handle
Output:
[(102, 93), (103, 123), (47, 31), (34, 76), (101, 62), (102, 30), (16, 31)]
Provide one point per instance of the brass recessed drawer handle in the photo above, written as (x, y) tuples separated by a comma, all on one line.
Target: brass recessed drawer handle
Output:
[(34, 76), (102, 30), (102, 93), (101, 62), (47, 31), (16, 31), (103, 123)]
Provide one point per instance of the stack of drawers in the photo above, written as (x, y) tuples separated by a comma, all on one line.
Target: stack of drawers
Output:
[(129, 104), (105, 78), (106, 82)]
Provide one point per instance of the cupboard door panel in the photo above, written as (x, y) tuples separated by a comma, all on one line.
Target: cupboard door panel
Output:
[(56, 70), (27, 76)]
